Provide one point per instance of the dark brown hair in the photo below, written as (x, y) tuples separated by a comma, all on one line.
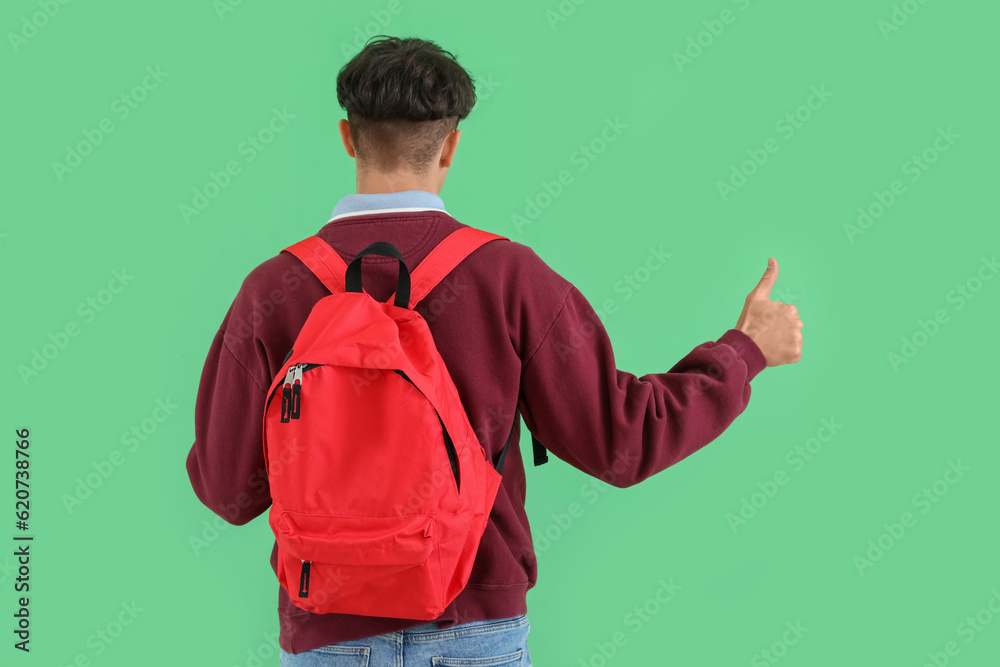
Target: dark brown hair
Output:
[(403, 96)]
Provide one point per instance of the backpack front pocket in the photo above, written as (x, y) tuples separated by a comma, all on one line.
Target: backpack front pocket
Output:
[(357, 540), (373, 566)]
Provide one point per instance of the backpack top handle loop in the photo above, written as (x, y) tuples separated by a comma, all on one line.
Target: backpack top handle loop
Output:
[(386, 249)]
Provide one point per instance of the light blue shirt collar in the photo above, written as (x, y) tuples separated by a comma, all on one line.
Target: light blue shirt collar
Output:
[(387, 202)]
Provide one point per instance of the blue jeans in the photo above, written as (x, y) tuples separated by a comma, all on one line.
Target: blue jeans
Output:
[(491, 643)]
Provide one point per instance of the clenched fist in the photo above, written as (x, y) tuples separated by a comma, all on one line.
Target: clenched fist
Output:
[(774, 326)]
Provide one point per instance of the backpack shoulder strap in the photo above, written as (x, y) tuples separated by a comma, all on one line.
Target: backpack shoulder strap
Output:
[(323, 261), (448, 254), (330, 268), (538, 449)]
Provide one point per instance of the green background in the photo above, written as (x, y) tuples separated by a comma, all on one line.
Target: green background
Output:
[(554, 86)]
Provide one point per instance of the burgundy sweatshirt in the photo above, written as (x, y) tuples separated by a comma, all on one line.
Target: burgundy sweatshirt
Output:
[(519, 341)]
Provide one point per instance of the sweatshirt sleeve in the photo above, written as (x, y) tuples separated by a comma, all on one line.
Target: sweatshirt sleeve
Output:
[(618, 427), (226, 462)]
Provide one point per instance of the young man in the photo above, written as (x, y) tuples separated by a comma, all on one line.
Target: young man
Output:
[(517, 338)]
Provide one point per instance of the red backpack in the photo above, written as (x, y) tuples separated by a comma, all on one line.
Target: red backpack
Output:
[(380, 488)]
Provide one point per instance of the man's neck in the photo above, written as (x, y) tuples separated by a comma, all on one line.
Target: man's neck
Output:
[(379, 182)]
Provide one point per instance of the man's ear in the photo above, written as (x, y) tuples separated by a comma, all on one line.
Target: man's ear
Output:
[(345, 135), (449, 147)]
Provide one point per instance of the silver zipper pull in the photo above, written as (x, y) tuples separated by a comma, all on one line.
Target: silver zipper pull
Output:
[(286, 394)]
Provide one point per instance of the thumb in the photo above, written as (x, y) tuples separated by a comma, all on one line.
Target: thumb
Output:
[(763, 288)]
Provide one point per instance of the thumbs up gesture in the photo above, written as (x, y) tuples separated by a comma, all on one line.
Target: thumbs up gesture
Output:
[(774, 326)]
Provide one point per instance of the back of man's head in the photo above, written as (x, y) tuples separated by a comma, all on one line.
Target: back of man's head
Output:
[(403, 96)]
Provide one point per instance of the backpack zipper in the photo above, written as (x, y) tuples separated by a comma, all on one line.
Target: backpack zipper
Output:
[(291, 391), (448, 444)]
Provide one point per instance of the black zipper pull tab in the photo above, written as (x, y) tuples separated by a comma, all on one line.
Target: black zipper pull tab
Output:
[(304, 579), (296, 391), (286, 395)]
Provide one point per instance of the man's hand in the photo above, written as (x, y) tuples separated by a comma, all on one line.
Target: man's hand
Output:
[(774, 326)]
